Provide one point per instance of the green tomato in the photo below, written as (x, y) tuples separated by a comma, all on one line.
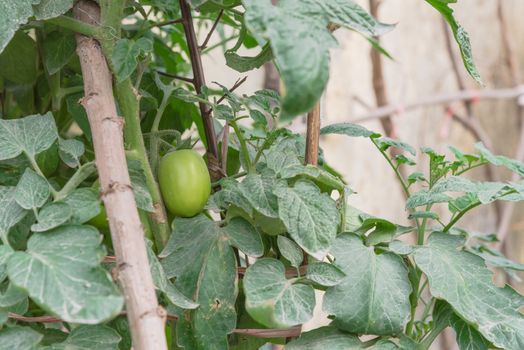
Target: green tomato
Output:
[(184, 182), (48, 160)]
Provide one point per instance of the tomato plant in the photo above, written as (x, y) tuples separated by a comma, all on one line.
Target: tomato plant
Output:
[(109, 138)]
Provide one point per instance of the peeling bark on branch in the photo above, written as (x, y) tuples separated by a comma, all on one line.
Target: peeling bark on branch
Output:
[(146, 317)]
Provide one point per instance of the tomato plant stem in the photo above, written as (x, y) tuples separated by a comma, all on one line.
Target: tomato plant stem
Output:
[(129, 106), (153, 147), (243, 145), (78, 177)]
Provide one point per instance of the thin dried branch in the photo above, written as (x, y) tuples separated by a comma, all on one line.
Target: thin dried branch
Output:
[(175, 76), (379, 88), (211, 31), (254, 332), (146, 317), (235, 86), (511, 63), (166, 23), (199, 82), (443, 99)]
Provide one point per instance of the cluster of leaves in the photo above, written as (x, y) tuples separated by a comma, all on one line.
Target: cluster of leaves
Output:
[(274, 220)]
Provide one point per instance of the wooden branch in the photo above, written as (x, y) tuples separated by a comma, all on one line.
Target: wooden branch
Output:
[(377, 73), (199, 82), (175, 76), (254, 332), (146, 317), (313, 135), (379, 88), (446, 98), (211, 31), (511, 62)]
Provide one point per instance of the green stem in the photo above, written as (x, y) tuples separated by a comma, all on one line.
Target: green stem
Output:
[(154, 129), (243, 145), (76, 26), (129, 106), (395, 169), (459, 216), (76, 180), (63, 92), (430, 338), (5, 241), (469, 168)]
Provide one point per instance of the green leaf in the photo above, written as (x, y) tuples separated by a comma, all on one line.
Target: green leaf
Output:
[(348, 129), (378, 230), (244, 64), (424, 197), (164, 284), (13, 295), (125, 56), (484, 192), (52, 215), (98, 337), (10, 212), (373, 298), (143, 197), (12, 15), (5, 253), (401, 248), (462, 279), (59, 48), (290, 250), (327, 275), (244, 236), (313, 173), (32, 190), (85, 205), (18, 61), (70, 152), (285, 152), (19, 338), (311, 217), (461, 36), (72, 287), (423, 215), (199, 255), (385, 142), (298, 32), (30, 135), (495, 259), (46, 9), (468, 338), (327, 337), (258, 191), (273, 300), (78, 113), (511, 164)]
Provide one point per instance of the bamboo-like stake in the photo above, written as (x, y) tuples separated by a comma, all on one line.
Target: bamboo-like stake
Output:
[(313, 135), (146, 317)]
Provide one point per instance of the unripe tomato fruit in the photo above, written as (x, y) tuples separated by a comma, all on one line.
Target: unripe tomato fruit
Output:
[(184, 182)]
